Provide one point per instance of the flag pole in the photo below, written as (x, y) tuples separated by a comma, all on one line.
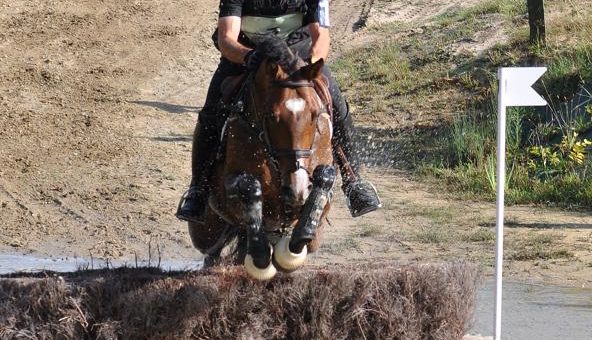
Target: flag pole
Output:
[(515, 89), (501, 181)]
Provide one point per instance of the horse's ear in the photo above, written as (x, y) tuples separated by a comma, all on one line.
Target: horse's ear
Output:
[(313, 70)]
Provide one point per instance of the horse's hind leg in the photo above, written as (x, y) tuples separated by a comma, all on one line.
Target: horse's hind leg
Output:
[(246, 191), (210, 236)]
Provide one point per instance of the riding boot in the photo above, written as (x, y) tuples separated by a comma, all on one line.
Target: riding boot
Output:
[(206, 141), (361, 195)]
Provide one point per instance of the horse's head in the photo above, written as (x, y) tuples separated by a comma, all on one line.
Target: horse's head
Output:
[(289, 108)]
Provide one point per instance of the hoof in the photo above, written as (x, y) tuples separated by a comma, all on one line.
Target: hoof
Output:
[(287, 260), (258, 273)]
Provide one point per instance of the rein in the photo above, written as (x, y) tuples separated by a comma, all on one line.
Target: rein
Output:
[(292, 84)]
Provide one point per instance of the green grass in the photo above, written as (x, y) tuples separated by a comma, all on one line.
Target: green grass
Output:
[(343, 245), (437, 215), (390, 74), (568, 191), (371, 231), (450, 98), (434, 235), (540, 252), (566, 70), (540, 246), (508, 8), (480, 235), (377, 74)]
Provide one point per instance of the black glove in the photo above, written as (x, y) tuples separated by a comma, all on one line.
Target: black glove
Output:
[(252, 60)]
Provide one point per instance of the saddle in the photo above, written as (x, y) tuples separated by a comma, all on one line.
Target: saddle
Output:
[(230, 87)]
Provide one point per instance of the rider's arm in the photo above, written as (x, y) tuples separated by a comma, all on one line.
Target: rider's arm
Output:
[(318, 25), (228, 32), (320, 41)]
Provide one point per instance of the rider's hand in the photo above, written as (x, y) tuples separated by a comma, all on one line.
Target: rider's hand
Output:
[(252, 60)]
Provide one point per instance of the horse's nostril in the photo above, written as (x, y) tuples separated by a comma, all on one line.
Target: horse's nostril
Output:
[(310, 186)]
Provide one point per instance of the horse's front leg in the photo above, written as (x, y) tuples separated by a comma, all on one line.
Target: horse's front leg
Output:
[(290, 253), (245, 189)]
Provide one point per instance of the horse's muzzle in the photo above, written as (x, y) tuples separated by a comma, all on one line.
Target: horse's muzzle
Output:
[(292, 205), (296, 189)]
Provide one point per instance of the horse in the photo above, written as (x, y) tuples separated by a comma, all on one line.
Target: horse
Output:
[(273, 180)]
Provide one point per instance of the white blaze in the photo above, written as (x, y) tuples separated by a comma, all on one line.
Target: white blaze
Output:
[(295, 105)]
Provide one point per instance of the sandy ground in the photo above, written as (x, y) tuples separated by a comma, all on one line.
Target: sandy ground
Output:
[(98, 101), (98, 106)]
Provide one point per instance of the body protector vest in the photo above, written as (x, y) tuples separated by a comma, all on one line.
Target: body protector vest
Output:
[(285, 18), (281, 18)]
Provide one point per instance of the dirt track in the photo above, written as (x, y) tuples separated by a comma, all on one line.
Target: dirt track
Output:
[(97, 106), (100, 100)]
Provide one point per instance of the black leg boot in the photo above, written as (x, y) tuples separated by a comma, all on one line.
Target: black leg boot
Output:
[(206, 139), (361, 195)]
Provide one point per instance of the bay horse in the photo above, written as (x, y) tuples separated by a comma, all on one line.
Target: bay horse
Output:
[(273, 181)]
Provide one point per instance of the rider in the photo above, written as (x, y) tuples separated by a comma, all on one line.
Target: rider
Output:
[(304, 25)]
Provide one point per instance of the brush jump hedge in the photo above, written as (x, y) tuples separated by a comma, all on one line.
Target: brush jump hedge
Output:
[(382, 301)]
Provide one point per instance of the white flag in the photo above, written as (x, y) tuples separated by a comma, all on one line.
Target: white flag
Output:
[(516, 86)]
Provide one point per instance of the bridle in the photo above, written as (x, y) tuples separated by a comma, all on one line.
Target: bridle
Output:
[(258, 124), (300, 156)]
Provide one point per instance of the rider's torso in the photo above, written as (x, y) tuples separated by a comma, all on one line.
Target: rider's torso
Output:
[(285, 18)]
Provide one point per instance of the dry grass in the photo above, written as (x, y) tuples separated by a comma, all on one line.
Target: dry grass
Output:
[(539, 246), (383, 301)]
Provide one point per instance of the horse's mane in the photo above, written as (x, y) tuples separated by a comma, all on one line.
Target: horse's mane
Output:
[(277, 51)]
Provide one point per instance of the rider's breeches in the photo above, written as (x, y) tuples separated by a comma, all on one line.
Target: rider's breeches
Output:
[(343, 129), (205, 145), (206, 135), (340, 109)]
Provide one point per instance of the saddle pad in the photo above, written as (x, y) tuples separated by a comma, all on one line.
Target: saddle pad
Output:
[(230, 87)]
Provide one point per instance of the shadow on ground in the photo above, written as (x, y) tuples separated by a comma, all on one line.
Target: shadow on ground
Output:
[(510, 224), (171, 108)]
